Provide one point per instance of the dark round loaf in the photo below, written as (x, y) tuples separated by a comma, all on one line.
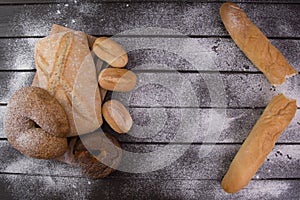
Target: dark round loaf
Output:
[(36, 124)]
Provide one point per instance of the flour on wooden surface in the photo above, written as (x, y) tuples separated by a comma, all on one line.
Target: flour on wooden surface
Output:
[(22, 54), (56, 13), (256, 190), (14, 81), (46, 186)]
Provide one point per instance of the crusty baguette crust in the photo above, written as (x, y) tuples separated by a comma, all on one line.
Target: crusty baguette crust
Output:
[(255, 44), (59, 60), (260, 142)]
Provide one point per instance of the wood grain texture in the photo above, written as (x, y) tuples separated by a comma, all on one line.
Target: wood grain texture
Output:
[(202, 90), (173, 89), (282, 162), (17, 54), (142, 1), (80, 188), (161, 125), (275, 20), (10, 82), (197, 54), (165, 102)]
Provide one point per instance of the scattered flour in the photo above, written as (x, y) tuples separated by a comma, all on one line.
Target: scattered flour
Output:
[(48, 185), (52, 13), (256, 190)]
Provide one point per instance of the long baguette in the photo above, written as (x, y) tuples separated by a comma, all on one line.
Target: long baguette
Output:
[(260, 142), (255, 44)]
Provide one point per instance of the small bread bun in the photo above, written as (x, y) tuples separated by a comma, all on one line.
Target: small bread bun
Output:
[(36, 124), (117, 116)]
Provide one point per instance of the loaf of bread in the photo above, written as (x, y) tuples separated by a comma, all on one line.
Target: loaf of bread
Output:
[(261, 140), (91, 39), (58, 29), (65, 68), (255, 44)]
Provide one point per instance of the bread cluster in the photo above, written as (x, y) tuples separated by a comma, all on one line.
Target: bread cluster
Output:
[(66, 100), (59, 115)]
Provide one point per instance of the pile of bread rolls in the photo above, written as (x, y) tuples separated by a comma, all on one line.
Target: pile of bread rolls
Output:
[(64, 106)]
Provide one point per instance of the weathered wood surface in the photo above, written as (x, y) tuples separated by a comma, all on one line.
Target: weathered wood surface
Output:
[(13, 187), (173, 89), (161, 125), (166, 102), (115, 1), (275, 20), (205, 54), (197, 162)]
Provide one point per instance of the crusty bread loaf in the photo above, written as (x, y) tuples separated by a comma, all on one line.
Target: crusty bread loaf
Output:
[(58, 29), (261, 140), (65, 68), (255, 44), (91, 39)]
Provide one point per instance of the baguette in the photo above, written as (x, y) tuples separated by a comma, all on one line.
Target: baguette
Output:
[(261, 140), (255, 44), (61, 59)]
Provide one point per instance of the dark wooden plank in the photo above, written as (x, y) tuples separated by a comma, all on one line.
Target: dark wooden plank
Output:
[(275, 20), (182, 89), (33, 1), (203, 90), (142, 1), (2, 113), (202, 54), (162, 125), (17, 54), (12, 81), (50, 187), (282, 162)]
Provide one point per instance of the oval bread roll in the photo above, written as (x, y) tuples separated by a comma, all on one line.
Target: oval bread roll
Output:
[(255, 44), (260, 142)]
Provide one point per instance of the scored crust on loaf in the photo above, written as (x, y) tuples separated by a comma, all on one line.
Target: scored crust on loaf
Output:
[(66, 69), (58, 29), (255, 45)]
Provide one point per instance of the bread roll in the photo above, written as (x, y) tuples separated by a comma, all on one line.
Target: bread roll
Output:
[(255, 44), (261, 140), (65, 68)]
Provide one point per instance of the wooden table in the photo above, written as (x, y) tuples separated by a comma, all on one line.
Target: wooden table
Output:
[(159, 107)]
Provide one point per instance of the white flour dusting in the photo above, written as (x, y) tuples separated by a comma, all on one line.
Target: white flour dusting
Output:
[(74, 16), (49, 185), (256, 190)]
